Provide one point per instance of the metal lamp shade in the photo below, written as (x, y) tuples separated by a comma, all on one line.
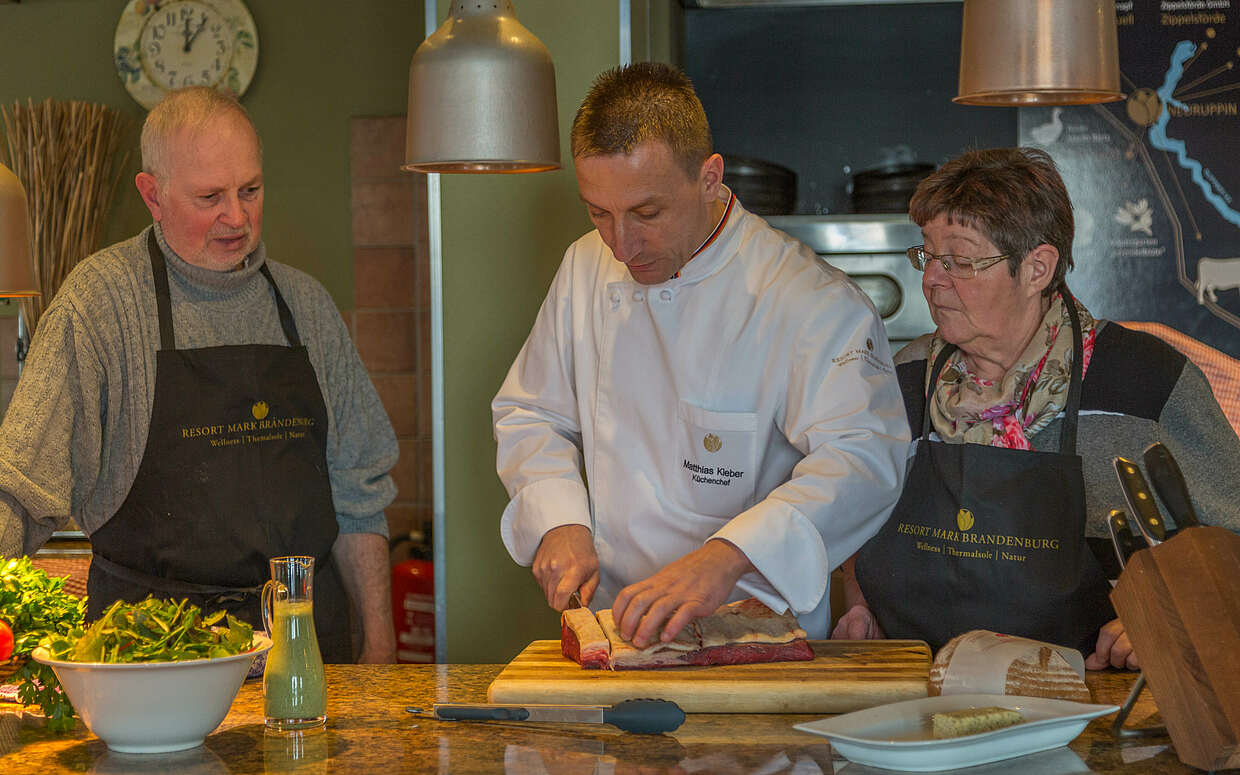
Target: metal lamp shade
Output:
[(16, 268), (482, 96), (1038, 52)]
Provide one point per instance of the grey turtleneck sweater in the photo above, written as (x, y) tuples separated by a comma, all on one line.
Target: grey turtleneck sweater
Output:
[(75, 431)]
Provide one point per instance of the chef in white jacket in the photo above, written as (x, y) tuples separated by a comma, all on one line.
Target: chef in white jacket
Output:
[(704, 410)]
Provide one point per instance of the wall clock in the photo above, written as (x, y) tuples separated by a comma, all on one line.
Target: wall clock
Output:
[(163, 45)]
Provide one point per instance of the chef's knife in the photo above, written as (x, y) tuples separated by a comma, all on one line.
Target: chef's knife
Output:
[(1125, 543), (640, 716), (1169, 483), (1145, 514)]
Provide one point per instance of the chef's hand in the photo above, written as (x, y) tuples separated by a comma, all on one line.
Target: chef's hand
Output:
[(858, 623), (1113, 649), (566, 563), (695, 585)]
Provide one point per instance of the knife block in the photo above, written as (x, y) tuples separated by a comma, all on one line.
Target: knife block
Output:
[(1180, 605)]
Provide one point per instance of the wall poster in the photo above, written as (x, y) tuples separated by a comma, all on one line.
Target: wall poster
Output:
[(1154, 179)]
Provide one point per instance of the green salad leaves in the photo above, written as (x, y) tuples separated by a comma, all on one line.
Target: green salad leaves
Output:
[(152, 631), (37, 606)]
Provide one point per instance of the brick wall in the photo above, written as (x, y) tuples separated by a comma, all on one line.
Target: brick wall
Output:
[(390, 319)]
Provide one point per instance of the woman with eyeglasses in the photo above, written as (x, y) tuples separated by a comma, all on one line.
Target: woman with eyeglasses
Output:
[(1019, 402)]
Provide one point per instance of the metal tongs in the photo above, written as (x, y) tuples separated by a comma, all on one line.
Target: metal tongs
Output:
[(648, 717)]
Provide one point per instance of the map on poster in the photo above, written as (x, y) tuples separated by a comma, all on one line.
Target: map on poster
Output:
[(1154, 178)]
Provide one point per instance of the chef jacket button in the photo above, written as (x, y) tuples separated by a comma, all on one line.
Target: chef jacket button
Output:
[(615, 298), (638, 295), (665, 294)]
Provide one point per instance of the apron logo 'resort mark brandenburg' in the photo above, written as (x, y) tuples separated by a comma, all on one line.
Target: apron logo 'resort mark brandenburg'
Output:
[(712, 443), (964, 519), (259, 410)]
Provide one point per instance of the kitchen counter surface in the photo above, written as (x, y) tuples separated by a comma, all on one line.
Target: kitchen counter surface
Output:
[(369, 731)]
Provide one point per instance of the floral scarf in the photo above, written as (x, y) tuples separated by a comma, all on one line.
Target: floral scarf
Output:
[(966, 409)]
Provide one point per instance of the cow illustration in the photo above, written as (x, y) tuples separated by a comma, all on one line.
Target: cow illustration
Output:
[(1216, 274)]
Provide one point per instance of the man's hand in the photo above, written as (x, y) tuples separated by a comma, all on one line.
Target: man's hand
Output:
[(1113, 650), (858, 623), (566, 563), (692, 586), (364, 566)]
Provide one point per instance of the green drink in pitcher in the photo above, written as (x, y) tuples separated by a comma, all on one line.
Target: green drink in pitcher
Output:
[(294, 692)]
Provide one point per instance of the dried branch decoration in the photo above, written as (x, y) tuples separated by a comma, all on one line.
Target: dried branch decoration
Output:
[(66, 156)]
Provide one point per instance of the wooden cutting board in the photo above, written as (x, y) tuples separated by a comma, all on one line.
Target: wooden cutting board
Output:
[(845, 675)]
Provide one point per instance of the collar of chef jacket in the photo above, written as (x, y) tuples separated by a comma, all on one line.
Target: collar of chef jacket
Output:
[(715, 250)]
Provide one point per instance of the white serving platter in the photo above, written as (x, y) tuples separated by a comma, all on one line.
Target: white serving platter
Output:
[(899, 736)]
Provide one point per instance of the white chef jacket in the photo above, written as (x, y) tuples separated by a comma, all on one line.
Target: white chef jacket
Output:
[(750, 398)]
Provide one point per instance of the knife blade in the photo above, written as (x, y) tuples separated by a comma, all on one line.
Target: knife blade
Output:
[(1122, 538), (1145, 515), (1169, 483), (640, 716)]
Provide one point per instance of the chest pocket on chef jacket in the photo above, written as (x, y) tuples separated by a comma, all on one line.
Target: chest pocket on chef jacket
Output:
[(715, 460)]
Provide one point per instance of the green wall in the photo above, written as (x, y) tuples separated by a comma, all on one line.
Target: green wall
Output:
[(320, 62), (503, 237)]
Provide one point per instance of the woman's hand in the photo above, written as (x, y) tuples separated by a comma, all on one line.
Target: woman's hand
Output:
[(1113, 650), (858, 623)]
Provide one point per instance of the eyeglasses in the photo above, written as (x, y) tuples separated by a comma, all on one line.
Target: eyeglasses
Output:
[(956, 266)]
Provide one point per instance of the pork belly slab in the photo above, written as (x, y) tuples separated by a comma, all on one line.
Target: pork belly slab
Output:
[(738, 633), (582, 640)]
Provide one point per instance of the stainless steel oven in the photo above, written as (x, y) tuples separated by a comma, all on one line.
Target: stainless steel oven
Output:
[(871, 249)]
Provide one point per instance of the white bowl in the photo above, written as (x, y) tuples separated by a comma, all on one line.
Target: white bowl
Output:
[(154, 707)]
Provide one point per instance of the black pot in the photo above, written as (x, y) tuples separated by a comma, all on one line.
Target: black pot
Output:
[(887, 189), (763, 187)]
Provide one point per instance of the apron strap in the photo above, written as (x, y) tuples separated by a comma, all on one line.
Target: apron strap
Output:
[(159, 270), (934, 378), (1067, 436), (163, 301), (286, 317), (1071, 412)]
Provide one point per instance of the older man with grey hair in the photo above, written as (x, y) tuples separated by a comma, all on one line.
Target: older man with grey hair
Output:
[(199, 409)]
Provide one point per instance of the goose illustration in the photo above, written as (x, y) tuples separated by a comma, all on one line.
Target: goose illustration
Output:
[(1045, 134)]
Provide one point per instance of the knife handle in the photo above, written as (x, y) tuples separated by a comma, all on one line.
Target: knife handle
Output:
[(1122, 538), (1145, 515), (1169, 482), (645, 717)]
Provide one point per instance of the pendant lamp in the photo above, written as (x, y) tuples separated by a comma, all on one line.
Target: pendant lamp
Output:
[(482, 96), (1038, 52), (16, 267)]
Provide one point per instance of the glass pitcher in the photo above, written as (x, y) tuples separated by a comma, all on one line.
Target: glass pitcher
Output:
[(294, 693)]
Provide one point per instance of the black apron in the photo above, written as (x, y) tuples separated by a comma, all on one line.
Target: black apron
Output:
[(990, 538), (234, 472)]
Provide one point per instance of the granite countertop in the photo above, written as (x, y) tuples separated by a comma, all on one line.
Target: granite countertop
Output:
[(368, 730)]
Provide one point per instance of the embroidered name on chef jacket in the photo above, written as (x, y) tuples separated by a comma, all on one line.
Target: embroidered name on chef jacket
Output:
[(721, 476), (716, 454)]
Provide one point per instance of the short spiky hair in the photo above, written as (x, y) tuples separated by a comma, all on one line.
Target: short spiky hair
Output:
[(1014, 196), (190, 108), (630, 105)]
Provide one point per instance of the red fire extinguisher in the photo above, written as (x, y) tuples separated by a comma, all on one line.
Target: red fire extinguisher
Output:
[(413, 600)]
